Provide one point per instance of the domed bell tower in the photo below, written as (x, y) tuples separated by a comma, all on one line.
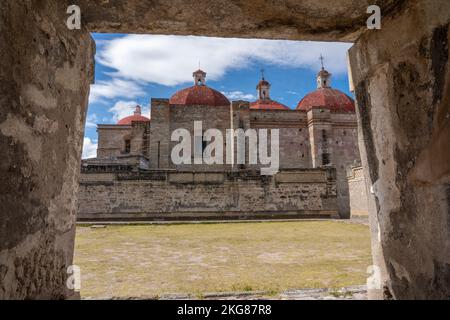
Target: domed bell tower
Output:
[(138, 110), (323, 77), (263, 88), (199, 78)]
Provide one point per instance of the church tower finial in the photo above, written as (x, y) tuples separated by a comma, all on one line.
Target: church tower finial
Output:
[(199, 77), (263, 88), (138, 110), (323, 77)]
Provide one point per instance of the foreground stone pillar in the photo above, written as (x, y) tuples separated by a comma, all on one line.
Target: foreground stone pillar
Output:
[(45, 72), (402, 82)]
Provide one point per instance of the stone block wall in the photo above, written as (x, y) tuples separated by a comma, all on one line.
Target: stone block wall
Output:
[(217, 117), (334, 142), (177, 195), (111, 140), (295, 151), (160, 134), (345, 152)]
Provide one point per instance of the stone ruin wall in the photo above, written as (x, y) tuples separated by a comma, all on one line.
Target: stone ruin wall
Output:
[(164, 194), (111, 140)]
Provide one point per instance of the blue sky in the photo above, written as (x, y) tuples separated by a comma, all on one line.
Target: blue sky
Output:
[(133, 69)]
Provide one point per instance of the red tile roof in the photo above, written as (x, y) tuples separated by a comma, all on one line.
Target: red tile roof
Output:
[(137, 116), (128, 120), (267, 105), (332, 99)]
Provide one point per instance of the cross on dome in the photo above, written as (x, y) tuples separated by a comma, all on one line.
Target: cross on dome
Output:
[(323, 77), (321, 58)]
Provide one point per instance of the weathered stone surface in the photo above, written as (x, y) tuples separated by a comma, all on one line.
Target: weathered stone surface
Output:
[(341, 20), (401, 76), (212, 195), (358, 192)]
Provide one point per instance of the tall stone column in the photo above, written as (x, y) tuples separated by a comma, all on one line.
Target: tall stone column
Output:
[(402, 83), (160, 135), (45, 72)]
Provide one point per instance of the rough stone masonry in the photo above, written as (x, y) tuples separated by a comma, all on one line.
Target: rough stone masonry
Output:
[(401, 77), (220, 195)]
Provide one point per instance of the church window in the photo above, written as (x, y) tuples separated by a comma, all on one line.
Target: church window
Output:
[(325, 159), (325, 154), (127, 146)]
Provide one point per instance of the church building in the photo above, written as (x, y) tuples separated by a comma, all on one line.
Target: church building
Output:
[(133, 176)]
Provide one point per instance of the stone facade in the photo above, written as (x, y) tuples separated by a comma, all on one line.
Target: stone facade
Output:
[(315, 135)]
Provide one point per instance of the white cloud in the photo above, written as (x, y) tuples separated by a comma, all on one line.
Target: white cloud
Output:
[(170, 60), (89, 148), (239, 95), (91, 121), (124, 109), (115, 88)]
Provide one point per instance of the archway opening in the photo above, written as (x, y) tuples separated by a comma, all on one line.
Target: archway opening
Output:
[(152, 227)]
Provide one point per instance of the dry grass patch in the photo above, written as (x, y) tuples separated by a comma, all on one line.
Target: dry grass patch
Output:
[(152, 260)]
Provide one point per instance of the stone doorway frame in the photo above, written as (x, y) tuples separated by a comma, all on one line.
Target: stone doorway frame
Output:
[(401, 79)]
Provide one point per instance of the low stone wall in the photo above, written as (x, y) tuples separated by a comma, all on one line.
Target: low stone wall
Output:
[(357, 191), (175, 195)]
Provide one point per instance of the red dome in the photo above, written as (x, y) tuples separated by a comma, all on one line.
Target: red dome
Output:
[(267, 105), (128, 120), (199, 95), (329, 98), (135, 117)]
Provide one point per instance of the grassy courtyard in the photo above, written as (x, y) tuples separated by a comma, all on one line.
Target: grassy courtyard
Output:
[(153, 260)]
